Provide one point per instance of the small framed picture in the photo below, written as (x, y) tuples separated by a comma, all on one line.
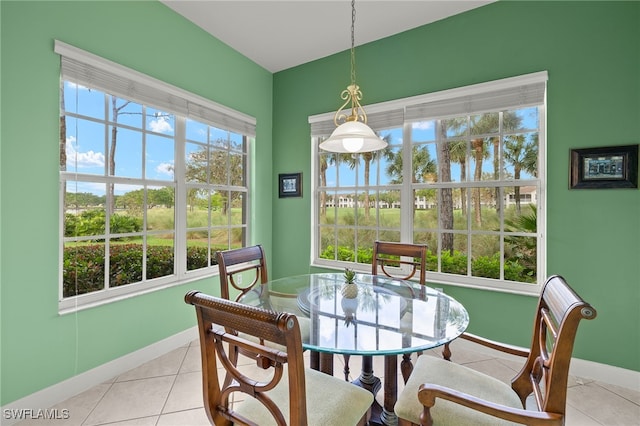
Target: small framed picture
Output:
[(605, 167), (290, 185)]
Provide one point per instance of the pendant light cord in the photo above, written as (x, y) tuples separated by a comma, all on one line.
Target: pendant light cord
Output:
[(353, 40)]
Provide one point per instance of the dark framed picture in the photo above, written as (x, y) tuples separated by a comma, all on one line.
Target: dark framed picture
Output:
[(605, 167), (290, 185)]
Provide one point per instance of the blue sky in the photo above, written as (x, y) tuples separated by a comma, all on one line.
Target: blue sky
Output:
[(423, 131), (87, 153), (85, 141)]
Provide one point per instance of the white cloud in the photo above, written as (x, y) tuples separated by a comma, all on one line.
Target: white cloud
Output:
[(423, 125), (76, 85), (160, 125), (82, 159), (165, 169)]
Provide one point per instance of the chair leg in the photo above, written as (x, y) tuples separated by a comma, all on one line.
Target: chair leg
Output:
[(346, 367), (446, 352), (315, 360), (406, 367)]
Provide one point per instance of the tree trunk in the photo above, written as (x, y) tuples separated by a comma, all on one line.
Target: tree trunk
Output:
[(323, 184), (367, 165), (478, 148), (445, 206), (516, 189)]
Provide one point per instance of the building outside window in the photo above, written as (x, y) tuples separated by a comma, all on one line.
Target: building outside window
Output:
[(153, 181), (464, 173)]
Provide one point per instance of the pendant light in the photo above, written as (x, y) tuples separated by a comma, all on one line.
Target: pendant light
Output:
[(353, 135)]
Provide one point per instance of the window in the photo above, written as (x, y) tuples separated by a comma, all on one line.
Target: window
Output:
[(463, 173), (153, 181)]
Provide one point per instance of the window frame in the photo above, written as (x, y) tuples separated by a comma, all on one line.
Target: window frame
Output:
[(79, 67), (484, 94)]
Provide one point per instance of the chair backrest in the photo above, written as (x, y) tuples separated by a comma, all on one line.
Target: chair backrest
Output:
[(235, 261), (546, 371), (214, 316), (388, 254)]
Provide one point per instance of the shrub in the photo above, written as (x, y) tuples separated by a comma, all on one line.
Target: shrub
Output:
[(346, 254), (121, 224), (455, 263), (159, 261), (84, 265), (197, 258), (486, 266), (83, 270), (92, 222)]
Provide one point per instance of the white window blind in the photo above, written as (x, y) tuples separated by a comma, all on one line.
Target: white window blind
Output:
[(375, 120), (85, 68), (509, 93), (518, 96)]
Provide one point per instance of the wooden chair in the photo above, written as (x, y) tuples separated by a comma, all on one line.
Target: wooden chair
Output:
[(235, 261), (278, 390), (444, 393), (386, 254), (386, 257)]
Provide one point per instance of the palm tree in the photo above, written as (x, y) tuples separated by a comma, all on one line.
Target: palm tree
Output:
[(458, 154), (367, 157), (479, 148), (423, 167), (486, 124), (524, 249), (457, 127), (445, 206), (394, 166), (325, 161), (510, 121), (521, 154), (116, 110)]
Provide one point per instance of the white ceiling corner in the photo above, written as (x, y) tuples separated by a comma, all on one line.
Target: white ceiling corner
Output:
[(282, 34)]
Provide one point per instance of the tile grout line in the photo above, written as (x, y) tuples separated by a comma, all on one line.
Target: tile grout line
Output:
[(175, 378), (84, 421)]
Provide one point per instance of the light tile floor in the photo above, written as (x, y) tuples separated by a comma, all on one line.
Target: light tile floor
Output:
[(167, 392)]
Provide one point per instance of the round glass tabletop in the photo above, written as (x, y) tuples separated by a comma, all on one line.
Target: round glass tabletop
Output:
[(387, 316)]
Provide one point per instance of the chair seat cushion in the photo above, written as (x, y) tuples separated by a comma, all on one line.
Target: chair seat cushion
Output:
[(330, 401), (429, 369)]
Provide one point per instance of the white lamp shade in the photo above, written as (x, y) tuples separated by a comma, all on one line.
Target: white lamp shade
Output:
[(353, 137)]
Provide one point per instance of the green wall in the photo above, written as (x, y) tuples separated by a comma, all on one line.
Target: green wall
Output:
[(39, 347), (590, 49), (592, 53)]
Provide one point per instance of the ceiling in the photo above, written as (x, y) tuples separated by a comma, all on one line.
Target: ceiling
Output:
[(282, 34)]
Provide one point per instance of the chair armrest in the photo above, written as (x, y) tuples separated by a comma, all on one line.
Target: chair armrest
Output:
[(502, 347), (427, 394)]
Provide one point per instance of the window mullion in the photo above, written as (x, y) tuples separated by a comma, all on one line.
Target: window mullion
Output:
[(406, 191), (472, 238), (180, 243)]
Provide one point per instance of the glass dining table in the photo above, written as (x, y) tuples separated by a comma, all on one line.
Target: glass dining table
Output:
[(388, 317)]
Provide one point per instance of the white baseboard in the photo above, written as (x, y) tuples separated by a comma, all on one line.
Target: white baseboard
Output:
[(610, 374), (64, 390)]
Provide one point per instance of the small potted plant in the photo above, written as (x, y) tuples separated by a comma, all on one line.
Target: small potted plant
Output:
[(350, 288), (349, 292)]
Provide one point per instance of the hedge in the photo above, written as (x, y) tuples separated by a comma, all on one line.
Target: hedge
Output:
[(84, 265)]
